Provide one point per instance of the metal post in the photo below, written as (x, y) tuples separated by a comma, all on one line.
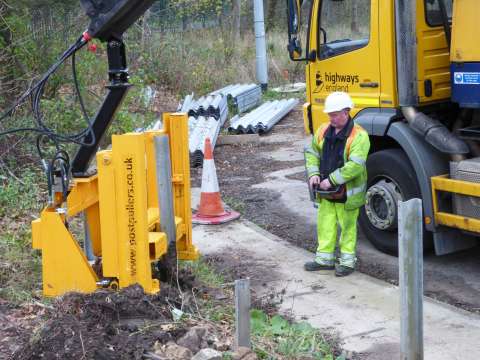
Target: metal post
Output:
[(242, 313), (87, 244), (164, 183), (260, 47), (410, 245)]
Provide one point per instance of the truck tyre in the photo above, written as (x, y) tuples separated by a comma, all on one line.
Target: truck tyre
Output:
[(391, 179)]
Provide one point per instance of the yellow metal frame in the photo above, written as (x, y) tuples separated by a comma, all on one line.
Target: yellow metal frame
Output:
[(121, 206), (444, 183)]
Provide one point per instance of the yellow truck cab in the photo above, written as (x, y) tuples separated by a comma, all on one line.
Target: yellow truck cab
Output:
[(412, 68)]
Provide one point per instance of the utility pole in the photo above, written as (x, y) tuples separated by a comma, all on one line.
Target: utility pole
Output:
[(260, 46)]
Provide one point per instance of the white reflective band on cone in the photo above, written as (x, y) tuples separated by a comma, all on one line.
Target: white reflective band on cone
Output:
[(209, 177)]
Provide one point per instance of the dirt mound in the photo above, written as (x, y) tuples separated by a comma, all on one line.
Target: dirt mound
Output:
[(105, 325), (129, 324)]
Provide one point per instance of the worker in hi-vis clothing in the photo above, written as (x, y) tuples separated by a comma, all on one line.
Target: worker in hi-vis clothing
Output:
[(336, 168)]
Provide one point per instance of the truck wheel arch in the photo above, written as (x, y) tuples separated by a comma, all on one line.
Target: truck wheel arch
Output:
[(426, 162)]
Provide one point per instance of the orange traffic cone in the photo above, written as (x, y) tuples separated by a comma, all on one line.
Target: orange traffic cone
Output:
[(211, 210)]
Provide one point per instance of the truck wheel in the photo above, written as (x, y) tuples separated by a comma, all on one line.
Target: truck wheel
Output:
[(391, 179)]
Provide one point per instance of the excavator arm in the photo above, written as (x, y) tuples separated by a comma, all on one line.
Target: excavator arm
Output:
[(109, 20)]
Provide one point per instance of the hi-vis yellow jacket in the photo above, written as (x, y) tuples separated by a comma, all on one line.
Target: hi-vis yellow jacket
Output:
[(353, 173)]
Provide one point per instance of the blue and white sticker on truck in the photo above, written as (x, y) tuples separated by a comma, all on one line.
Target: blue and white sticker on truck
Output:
[(471, 78), (465, 84)]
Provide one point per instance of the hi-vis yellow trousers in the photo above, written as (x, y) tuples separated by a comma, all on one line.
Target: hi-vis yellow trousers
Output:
[(329, 215)]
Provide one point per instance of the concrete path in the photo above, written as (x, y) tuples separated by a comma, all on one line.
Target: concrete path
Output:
[(364, 311)]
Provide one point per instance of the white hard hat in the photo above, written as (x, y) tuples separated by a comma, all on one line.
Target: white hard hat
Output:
[(337, 101)]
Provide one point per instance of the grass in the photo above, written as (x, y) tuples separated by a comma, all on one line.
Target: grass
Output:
[(20, 265), (234, 203), (273, 337), (204, 272), (19, 196), (20, 268), (205, 61), (271, 95), (211, 309)]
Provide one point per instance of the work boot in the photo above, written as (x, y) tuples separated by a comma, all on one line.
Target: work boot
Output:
[(342, 270), (314, 266)]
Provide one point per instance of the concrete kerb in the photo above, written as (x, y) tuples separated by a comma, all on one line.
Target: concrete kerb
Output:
[(248, 139), (363, 310), (237, 139)]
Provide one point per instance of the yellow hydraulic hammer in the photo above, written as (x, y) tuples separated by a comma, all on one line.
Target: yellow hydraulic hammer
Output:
[(121, 207)]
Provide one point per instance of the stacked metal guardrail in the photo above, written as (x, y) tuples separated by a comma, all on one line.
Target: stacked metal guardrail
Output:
[(263, 118), (243, 97), (208, 114), (206, 117)]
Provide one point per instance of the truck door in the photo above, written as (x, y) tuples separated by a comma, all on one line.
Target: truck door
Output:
[(347, 55)]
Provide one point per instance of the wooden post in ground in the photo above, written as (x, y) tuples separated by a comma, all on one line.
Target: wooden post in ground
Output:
[(242, 313), (410, 248)]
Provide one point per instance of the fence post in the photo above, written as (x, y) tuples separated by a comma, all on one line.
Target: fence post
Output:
[(242, 313), (410, 247)]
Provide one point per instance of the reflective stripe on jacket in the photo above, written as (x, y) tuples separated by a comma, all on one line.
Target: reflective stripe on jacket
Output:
[(353, 173)]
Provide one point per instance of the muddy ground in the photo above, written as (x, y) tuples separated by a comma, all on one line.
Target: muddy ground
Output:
[(129, 324), (248, 179), (126, 324)]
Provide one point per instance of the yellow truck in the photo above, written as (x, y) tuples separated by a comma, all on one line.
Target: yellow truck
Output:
[(412, 68)]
